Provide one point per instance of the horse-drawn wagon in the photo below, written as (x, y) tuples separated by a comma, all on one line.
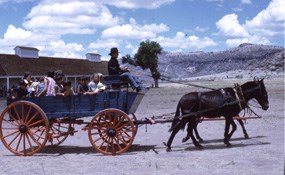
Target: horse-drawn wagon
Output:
[(27, 125)]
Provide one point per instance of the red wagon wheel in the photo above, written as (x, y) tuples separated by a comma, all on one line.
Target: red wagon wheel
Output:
[(24, 128), (111, 132), (59, 132)]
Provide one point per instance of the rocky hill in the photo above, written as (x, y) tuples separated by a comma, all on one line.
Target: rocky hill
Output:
[(244, 61), (247, 57)]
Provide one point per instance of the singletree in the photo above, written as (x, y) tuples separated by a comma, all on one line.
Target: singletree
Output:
[(146, 58)]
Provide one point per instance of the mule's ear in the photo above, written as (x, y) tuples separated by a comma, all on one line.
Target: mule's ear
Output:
[(255, 79)]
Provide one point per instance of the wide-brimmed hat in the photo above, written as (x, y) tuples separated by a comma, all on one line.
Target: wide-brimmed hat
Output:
[(58, 74), (114, 50)]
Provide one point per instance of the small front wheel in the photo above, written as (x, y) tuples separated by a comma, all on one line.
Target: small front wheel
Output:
[(111, 132)]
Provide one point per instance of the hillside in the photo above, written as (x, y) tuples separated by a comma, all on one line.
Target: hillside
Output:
[(246, 60)]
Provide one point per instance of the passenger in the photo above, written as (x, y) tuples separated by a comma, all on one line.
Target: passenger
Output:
[(115, 69), (41, 86), (33, 88), (22, 91), (49, 85), (82, 86), (67, 89), (95, 85), (28, 80), (58, 77)]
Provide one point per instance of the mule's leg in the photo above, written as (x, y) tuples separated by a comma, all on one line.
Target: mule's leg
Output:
[(175, 130), (243, 129), (188, 135), (196, 132), (233, 129), (227, 128), (192, 124)]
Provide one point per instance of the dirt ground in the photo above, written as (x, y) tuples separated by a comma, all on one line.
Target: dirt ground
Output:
[(262, 154)]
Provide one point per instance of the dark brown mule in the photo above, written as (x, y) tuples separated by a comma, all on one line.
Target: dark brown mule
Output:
[(227, 102)]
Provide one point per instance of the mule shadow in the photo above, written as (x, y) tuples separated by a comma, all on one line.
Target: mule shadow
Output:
[(222, 140), (221, 145)]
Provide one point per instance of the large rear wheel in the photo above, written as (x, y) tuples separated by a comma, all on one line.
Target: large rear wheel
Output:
[(111, 132), (24, 128)]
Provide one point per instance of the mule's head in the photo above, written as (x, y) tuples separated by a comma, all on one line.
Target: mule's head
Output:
[(261, 94)]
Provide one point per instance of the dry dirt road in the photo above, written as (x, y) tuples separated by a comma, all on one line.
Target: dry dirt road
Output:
[(262, 154)]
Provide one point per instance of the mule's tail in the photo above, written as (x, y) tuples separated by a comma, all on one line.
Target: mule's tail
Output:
[(176, 118)]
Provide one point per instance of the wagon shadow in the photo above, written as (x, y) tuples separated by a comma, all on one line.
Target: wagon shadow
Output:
[(61, 150)]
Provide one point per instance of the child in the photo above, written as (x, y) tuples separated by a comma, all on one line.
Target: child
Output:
[(49, 87), (95, 85), (22, 91), (41, 86), (67, 89), (82, 86)]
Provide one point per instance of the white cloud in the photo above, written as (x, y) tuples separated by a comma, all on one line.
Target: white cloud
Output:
[(135, 4), (265, 25), (201, 29), (229, 26), (71, 17), (246, 1), (181, 41), (269, 22), (49, 45), (134, 31), (61, 49)]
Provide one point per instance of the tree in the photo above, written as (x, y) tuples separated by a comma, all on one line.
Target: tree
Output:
[(128, 59), (146, 58)]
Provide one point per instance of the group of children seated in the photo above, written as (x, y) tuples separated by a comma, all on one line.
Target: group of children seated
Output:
[(53, 84)]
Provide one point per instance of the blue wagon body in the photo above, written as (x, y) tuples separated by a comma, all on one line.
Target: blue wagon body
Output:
[(78, 106), (26, 125)]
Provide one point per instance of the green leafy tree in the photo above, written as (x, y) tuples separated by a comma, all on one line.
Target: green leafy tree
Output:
[(128, 59), (146, 58)]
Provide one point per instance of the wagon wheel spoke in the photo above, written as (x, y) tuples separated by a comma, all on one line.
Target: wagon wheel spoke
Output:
[(17, 114), (29, 141), (14, 118), (14, 139), (10, 134), (37, 122), (9, 122), (28, 114), (18, 144), (33, 138), (32, 118), (118, 143)]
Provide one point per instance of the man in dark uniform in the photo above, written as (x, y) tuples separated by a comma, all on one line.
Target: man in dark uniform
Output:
[(115, 69)]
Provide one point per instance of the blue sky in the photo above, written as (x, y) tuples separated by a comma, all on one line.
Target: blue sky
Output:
[(72, 28)]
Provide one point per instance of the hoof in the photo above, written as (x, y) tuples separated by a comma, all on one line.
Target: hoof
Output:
[(199, 146), (201, 140), (246, 137), (168, 150), (184, 139), (229, 145)]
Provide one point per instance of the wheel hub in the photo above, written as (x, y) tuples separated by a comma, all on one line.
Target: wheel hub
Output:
[(23, 128), (111, 132)]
